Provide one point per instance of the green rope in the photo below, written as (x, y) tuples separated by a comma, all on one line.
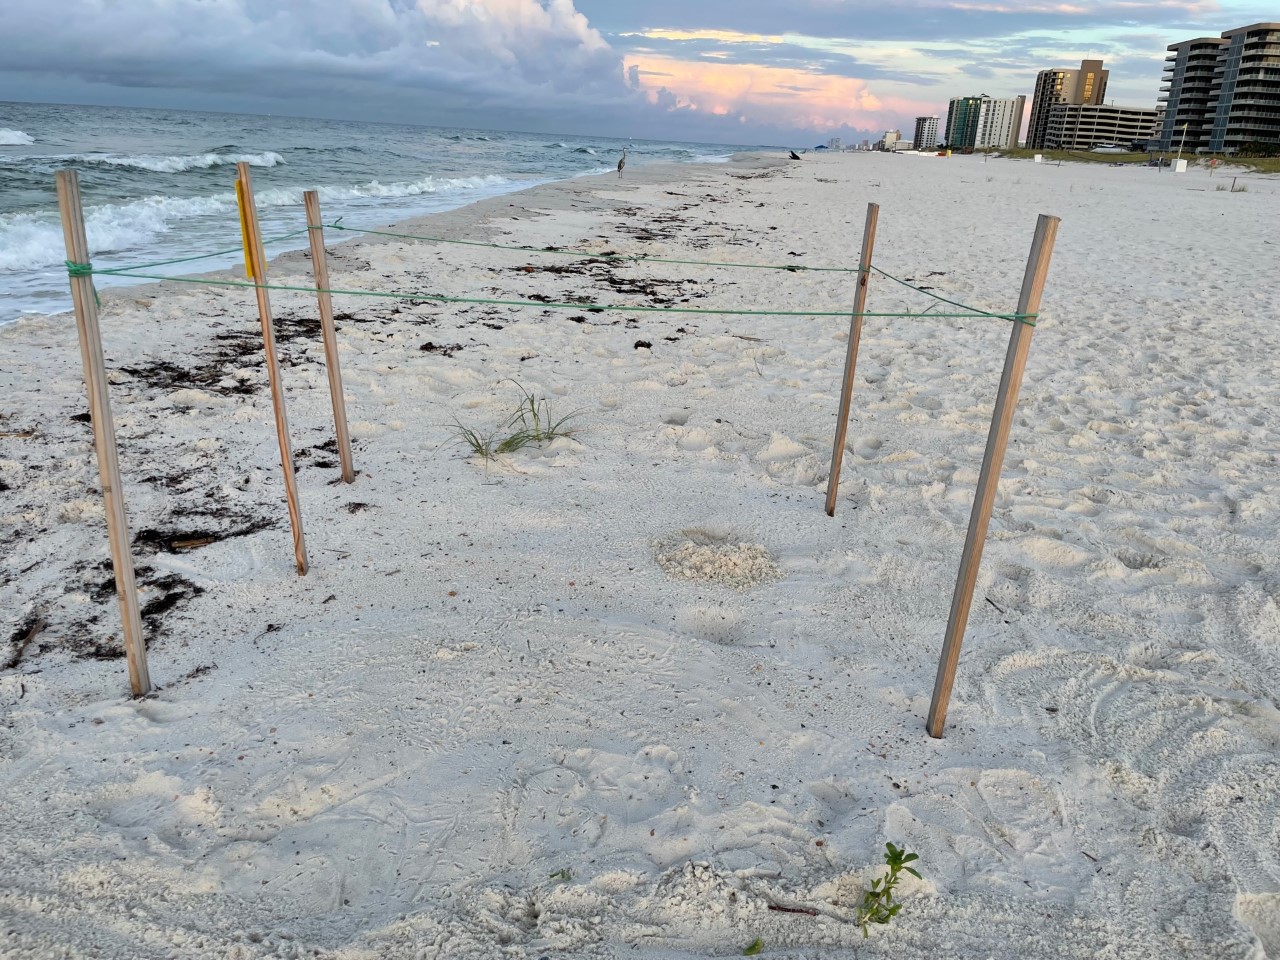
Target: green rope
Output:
[(440, 298), (116, 271), (793, 268), (975, 311), (589, 307), (954, 303), (84, 270)]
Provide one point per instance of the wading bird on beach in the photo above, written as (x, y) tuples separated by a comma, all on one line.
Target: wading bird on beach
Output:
[(623, 162)]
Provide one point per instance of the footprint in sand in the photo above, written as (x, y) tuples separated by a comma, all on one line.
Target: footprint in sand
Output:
[(791, 462), (627, 789), (867, 448), (715, 624)]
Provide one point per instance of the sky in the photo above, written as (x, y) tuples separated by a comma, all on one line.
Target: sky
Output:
[(786, 72)]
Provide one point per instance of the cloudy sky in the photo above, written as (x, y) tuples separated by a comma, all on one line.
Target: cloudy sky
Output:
[(725, 71)]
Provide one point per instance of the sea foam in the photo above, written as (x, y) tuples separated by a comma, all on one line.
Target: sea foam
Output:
[(35, 240), (376, 190), (412, 188), (179, 164), (30, 241), (15, 138)]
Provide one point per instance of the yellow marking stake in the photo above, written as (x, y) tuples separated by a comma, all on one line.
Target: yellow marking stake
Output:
[(244, 230)]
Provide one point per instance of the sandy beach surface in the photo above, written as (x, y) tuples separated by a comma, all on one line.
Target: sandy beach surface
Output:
[(630, 692)]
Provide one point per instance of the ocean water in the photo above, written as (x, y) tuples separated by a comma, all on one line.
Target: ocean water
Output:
[(159, 184)]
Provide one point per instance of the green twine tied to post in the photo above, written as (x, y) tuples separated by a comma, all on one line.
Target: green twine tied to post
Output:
[(84, 270), (87, 270)]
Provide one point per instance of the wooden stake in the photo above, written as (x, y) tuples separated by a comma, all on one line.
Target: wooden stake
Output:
[(851, 356), (257, 258), (104, 432), (1015, 363), (320, 270)]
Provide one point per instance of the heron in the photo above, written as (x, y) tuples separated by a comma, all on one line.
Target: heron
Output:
[(623, 162)]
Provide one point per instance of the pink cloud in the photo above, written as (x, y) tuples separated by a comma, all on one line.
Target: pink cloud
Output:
[(776, 96)]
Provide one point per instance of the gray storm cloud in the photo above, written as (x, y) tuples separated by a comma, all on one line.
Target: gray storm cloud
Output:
[(526, 53), (552, 65)]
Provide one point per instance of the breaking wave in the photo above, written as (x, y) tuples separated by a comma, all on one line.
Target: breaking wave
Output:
[(201, 161), (30, 241), (375, 190), (15, 138), (34, 240)]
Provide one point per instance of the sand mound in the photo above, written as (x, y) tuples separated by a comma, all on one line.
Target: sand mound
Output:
[(717, 556)]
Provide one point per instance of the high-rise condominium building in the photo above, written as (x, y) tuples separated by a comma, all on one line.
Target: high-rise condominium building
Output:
[(1222, 94), (962, 122), (1188, 82), (1086, 85), (926, 137), (975, 123)]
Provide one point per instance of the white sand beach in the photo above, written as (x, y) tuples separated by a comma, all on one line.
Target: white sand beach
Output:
[(631, 693)]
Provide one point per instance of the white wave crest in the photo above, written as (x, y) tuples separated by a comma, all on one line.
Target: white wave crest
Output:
[(201, 161), (375, 190), (414, 188), (15, 138), (32, 240)]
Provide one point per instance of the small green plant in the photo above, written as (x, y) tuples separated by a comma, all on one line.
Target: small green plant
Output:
[(534, 417), (756, 948), (531, 422), (877, 902), (564, 874), (487, 447)]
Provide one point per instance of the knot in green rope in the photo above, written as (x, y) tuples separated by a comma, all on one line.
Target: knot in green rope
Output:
[(83, 270)]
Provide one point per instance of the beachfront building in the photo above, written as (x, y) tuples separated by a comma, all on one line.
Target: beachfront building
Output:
[(1083, 126), (926, 137), (890, 140), (962, 122), (1188, 82), (1222, 94), (1000, 123), (1088, 85), (982, 122)]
